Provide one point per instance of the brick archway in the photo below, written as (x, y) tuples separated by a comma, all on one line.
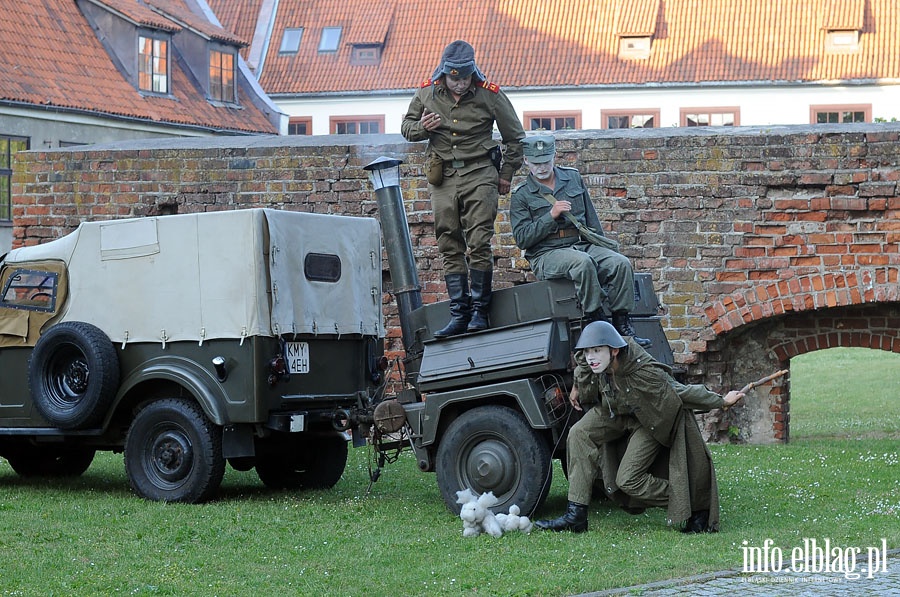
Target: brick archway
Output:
[(769, 344)]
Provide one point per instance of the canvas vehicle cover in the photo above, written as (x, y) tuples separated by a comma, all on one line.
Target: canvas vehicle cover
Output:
[(229, 274)]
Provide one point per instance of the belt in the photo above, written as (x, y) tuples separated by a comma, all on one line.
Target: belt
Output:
[(464, 163), (565, 233)]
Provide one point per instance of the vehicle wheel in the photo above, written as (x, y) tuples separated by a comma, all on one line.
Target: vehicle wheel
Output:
[(493, 448), (73, 375), (173, 453), (303, 463), (47, 461)]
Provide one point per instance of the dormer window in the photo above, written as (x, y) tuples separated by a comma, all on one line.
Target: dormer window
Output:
[(636, 22), (153, 64), (842, 41), (221, 76), (366, 54), (636, 48), (331, 38)]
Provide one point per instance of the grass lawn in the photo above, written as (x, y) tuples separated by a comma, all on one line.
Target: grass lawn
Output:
[(839, 478)]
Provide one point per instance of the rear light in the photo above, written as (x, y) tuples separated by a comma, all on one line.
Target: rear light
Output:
[(277, 369)]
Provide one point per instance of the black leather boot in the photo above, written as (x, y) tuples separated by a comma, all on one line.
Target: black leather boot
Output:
[(481, 299), (622, 323), (575, 520), (698, 523), (460, 305)]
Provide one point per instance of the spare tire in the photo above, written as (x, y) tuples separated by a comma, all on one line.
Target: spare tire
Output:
[(73, 375)]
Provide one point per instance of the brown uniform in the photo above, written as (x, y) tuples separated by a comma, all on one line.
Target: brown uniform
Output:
[(465, 204)]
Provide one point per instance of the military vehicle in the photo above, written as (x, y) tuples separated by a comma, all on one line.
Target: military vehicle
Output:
[(188, 341), (488, 410)]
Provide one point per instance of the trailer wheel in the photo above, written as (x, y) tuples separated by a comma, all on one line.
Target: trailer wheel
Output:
[(173, 453), (73, 375), (302, 463), (493, 448), (47, 461)]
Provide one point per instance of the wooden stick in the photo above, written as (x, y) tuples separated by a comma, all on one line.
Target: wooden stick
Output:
[(765, 379)]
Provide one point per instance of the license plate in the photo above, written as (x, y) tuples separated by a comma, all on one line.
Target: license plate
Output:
[(297, 355)]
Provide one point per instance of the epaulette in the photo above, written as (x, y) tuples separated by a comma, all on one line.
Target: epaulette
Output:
[(492, 87), (519, 186), (427, 83)]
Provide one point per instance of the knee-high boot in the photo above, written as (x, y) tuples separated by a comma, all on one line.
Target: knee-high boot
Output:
[(481, 299), (460, 305)]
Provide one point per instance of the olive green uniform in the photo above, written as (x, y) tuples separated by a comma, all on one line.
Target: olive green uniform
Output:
[(465, 204), (642, 436), (554, 249)]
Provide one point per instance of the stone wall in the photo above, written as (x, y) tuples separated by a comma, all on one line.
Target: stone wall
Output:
[(763, 243)]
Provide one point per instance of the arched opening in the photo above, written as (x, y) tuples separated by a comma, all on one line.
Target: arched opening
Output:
[(845, 393)]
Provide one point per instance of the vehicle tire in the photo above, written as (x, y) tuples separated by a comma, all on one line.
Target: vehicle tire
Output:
[(493, 448), (51, 461), (73, 375), (303, 462), (173, 452)]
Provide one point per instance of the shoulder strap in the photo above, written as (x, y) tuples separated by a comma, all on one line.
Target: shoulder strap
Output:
[(567, 215)]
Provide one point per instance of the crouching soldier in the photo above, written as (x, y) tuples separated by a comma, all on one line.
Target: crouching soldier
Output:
[(640, 435)]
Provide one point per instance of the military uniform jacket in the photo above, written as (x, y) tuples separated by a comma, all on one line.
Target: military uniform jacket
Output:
[(466, 131), (529, 213), (643, 388)]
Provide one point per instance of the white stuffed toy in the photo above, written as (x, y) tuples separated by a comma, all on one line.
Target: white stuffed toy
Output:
[(476, 514), (514, 522)]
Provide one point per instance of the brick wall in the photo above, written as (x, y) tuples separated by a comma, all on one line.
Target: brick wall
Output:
[(763, 243)]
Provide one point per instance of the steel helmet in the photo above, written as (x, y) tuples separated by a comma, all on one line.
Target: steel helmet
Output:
[(600, 333)]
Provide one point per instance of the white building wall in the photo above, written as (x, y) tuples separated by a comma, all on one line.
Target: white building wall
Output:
[(759, 105)]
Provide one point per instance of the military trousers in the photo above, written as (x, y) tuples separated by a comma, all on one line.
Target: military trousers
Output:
[(465, 207), (583, 447), (599, 274)]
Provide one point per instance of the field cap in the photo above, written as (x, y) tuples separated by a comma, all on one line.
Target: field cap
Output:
[(539, 148)]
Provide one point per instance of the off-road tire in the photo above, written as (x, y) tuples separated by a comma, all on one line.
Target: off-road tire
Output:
[(50, 461), (73, 375), (302, 462), (173, 452), (493, 448)]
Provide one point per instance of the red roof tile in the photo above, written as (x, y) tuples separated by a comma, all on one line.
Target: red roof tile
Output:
[(564, 43), (52, 57)]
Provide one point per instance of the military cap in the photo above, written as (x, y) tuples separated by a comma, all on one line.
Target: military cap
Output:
[(458, 60), (539, 148)]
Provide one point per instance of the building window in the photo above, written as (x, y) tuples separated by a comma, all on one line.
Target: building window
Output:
[(153, 64), (356, 125), (629, 119), (300, 126), (840, 114), (842, 41), (710, 116), (290, 41), (634, 47), (8, 147), (365, 55), (552, 121), (331, 37), (221, 76)]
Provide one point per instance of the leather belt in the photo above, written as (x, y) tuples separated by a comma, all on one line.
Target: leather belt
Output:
[(464, 163), (565, 233)]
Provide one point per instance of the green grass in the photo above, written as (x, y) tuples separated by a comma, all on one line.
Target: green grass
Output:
[(838, 479)]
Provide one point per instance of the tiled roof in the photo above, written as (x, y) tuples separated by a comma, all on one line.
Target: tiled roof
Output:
[(176, 10), (52, 58), (564, 43), (239, 17)]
